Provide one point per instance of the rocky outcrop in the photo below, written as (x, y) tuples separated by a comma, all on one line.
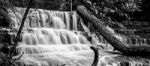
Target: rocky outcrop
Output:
[(6, 37)]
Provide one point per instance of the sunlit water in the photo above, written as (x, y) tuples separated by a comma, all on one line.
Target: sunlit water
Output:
[(53, 39)]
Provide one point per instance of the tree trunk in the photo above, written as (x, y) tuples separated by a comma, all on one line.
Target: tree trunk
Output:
[(138, 50), (96, 56)]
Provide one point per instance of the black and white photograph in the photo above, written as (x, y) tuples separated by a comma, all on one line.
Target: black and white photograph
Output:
[(74, 32)]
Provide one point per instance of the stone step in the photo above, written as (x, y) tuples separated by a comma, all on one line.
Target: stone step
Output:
[(137, 27), (136, 24)]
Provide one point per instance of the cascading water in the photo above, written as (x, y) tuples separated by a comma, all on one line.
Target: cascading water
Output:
[(49, 41)]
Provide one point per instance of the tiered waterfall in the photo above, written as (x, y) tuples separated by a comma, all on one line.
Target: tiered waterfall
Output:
[(52, 38)]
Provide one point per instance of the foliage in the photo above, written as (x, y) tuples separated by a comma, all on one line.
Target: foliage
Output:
[(7, 53), (10, 57), (115, 9), (5, 21)]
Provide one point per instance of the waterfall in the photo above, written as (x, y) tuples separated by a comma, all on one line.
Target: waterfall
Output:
[(44, 18), (52, 38), (86, 29)]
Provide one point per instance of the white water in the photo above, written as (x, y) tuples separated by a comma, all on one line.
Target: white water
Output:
[(49, 40), (52, 36)]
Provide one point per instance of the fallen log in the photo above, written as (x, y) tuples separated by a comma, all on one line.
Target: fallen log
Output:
[(126, 49)]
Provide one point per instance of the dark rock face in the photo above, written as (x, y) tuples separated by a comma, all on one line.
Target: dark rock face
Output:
[(6, 37), (5, 21)]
